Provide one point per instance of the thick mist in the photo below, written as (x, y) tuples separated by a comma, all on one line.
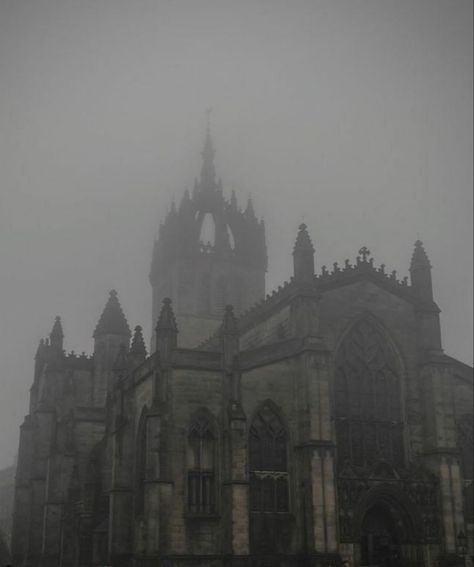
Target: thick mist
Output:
[(354, 116)]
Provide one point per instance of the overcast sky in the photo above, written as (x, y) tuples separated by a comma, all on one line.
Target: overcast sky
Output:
[(355, 115)]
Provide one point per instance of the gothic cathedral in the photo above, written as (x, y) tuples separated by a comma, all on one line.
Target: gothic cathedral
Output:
[(320, 425)]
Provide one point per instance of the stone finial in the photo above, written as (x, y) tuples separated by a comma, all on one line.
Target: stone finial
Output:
[(303, 256), (166, 319), (419, 257), (365, 253), (249, 211), (56, 336), (420, 272), (166, 330), (138, 347), (112, 321), (303, 241)]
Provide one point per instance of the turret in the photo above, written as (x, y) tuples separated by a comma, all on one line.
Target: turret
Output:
[(303, 257), (420, 272)]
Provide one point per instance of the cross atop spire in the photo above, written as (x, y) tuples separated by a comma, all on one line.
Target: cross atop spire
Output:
[(365, 253)]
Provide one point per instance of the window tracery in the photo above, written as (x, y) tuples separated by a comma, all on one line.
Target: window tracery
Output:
[(368, 405), (201, 460), (268, 463)]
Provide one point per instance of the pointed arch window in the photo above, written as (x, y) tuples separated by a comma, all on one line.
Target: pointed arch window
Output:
[(201, 461), (368, 399), (268, 462)]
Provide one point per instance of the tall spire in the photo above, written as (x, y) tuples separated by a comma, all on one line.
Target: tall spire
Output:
[(303, 256), (208, 171), (56, 336), (112, 321)]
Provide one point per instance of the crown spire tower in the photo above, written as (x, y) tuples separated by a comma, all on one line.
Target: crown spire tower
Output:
[(209, 254)]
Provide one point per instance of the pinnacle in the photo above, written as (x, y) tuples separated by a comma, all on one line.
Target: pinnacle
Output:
[(112, 321), (57, 330), (419, 257), (303, 241), (138, 344), (250, 210), (166, 320)]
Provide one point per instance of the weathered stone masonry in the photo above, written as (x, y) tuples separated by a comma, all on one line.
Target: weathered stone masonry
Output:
[(318, 424)]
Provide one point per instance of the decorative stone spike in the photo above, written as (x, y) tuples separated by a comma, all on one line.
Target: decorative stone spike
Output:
[(112, 321), (57, 330), (303, 256), (138, 344), (419, 257), (249, 211), (166, 320), (420, 272)]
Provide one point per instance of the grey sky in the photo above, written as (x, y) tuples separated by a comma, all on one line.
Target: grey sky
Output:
[(356, 115)]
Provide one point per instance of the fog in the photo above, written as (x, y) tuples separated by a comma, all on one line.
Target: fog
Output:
[(355, 116)]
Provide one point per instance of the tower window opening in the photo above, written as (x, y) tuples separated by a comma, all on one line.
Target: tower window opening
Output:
[(208, 230)]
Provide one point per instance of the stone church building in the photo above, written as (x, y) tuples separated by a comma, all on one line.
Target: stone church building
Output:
[(316, 425)]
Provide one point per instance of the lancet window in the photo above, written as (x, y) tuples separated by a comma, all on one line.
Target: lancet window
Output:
[(268, 463), (368, 398), (201, 459)]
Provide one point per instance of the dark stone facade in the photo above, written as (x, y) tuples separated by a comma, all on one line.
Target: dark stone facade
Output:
[(322, 423)]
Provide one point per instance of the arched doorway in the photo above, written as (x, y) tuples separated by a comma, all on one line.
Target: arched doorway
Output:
[(380, 541)]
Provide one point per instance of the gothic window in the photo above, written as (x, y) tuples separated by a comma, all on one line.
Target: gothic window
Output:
[(201, 461), (368, 411), (268, 463)]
